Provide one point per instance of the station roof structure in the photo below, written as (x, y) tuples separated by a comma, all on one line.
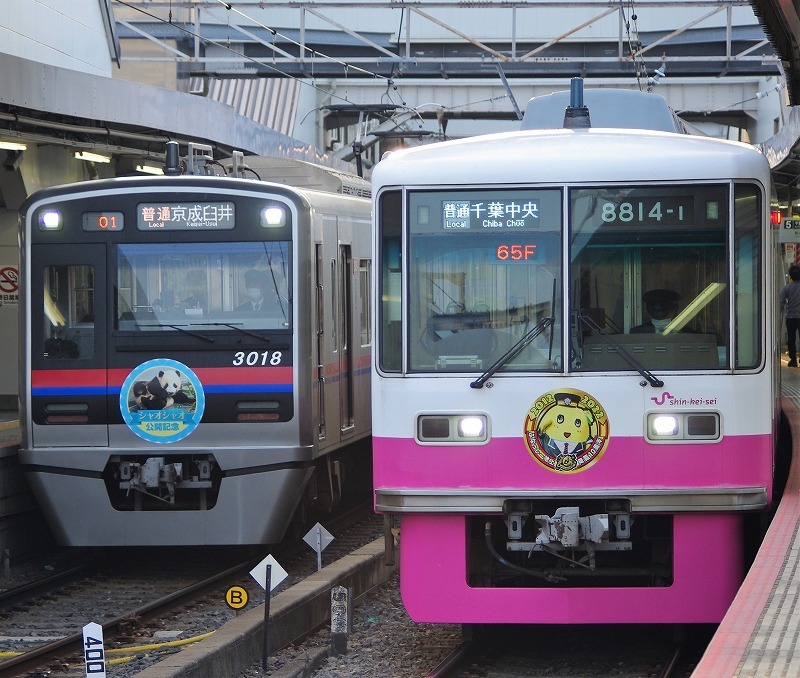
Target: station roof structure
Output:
[(290, 40)]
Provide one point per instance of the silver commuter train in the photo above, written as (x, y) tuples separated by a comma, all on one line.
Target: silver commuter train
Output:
[(160, 405)]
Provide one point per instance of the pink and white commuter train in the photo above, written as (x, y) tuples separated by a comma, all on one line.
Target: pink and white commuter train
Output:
[(574, 372)]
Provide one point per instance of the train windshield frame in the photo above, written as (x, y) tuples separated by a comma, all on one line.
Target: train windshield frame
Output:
[(211, 285), (648, 274), (598, 277), (485, 274)]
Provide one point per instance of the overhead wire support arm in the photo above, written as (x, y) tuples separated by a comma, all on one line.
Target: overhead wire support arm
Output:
[(508, 90)]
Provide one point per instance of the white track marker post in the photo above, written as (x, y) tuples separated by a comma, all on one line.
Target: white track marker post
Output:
[(268, 588), (94, 654), (268, 574), (339, 620), (318, 538)]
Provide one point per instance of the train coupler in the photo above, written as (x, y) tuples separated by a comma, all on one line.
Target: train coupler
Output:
[(159, 479), (567, 529)]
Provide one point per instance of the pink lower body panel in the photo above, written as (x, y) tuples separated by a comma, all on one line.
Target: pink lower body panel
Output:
[(707, 571)]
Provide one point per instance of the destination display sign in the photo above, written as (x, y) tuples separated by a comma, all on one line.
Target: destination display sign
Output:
[(186, 216), (506, 213), (512, 214)]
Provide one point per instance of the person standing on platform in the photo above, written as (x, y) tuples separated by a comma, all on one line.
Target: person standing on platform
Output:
[(790, 300)]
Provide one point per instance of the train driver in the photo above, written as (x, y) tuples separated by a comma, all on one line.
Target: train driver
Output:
[(255, 288), (661, 305)]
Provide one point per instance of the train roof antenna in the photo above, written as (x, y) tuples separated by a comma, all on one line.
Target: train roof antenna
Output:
[(172, 166), (576, 115)]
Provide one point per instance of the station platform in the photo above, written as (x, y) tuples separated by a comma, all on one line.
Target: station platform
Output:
[(760, 633)]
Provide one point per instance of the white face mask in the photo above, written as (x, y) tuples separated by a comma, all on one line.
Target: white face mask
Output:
[(254, 293), (660, 325)]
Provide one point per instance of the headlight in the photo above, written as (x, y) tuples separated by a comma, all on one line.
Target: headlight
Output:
[(49, 220), (452, 428), (665, 425), (273, 216), (672, 426), (471, 427)]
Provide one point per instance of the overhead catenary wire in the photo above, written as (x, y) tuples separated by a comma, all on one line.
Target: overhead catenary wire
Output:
[(634, 44), (312, 52), (757, 95), (275, 33), (243, 56)]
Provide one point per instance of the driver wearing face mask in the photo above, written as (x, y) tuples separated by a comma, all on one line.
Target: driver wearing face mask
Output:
[(255, 283), (661, 306)]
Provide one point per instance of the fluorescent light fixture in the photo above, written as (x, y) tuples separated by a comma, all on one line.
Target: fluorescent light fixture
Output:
[(92, 157), (51, 310), (697, 304), (12, 146), (149, 169)]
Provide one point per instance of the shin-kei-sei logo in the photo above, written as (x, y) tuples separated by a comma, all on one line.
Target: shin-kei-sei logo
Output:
[(162, 401), (566, 430)]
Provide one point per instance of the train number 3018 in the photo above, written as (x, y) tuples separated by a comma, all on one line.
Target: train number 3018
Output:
[(254, 358)]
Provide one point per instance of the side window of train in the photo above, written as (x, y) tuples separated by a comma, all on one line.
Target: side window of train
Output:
[(747, 271), (365, 290), (68, 307), (390, 213)]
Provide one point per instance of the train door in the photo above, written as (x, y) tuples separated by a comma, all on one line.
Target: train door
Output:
[(345, 313), (320, 351), (333, 270), (329, 344), (69, 379)]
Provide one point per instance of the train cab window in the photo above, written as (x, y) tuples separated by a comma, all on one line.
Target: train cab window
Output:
[(484, 280), (69, 328), (747, 220), (649, 277), (365, 294), (390, 285), (211, 286)]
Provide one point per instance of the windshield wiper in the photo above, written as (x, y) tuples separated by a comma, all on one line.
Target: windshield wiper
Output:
[(180, 328), (513, 352), (635, 364)]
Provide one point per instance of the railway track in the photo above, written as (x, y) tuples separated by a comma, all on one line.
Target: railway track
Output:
[(71, 643), (386, 642), (533, 651), (134, 600)]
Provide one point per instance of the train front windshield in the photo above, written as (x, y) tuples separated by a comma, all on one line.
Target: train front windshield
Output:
[(651, 273), (205, 284), (484, 276)]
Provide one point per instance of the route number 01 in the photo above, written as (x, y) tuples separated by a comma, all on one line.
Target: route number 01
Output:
[(94, 654)]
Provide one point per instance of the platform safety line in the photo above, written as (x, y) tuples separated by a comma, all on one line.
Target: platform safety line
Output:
[(727, 649)]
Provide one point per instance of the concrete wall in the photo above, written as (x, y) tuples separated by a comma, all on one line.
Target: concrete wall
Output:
[(66, 33)]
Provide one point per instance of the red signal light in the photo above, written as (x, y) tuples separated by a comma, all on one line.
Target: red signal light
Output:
[(776, 217)]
